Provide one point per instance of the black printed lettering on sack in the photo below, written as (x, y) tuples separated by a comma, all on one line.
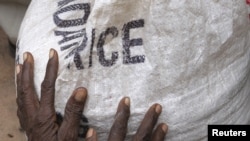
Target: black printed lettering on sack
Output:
[(70, 39), (127, 43), (105, 62), (91, 47), (73, 22)]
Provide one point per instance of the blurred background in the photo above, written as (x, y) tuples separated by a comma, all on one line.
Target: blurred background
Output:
[(11, 15)]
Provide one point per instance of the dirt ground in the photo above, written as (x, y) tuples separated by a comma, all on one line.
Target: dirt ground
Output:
[(9, 124)]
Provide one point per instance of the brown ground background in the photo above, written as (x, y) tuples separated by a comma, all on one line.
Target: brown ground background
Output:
[(9, 124)]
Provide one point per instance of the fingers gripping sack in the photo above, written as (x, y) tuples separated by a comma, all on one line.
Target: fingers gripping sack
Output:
[(191, 57)]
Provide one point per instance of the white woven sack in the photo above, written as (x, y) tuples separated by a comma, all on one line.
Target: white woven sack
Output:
[(192, 57)]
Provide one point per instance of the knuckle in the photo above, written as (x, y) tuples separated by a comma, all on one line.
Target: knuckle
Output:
[(43, 119), (26, 87), (74, 108), (47, 84)]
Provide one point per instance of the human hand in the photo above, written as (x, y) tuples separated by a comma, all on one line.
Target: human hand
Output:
[(144, 132), (38, 118)]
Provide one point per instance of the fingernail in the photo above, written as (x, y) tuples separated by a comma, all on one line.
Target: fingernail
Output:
[(25, 56), (164, 128), (18, 69), (127, 101), (80, 94), (90, 133), (158, 108), (51, 53)]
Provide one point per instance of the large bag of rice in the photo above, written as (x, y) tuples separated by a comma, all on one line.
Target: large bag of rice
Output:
[(192, 57)]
